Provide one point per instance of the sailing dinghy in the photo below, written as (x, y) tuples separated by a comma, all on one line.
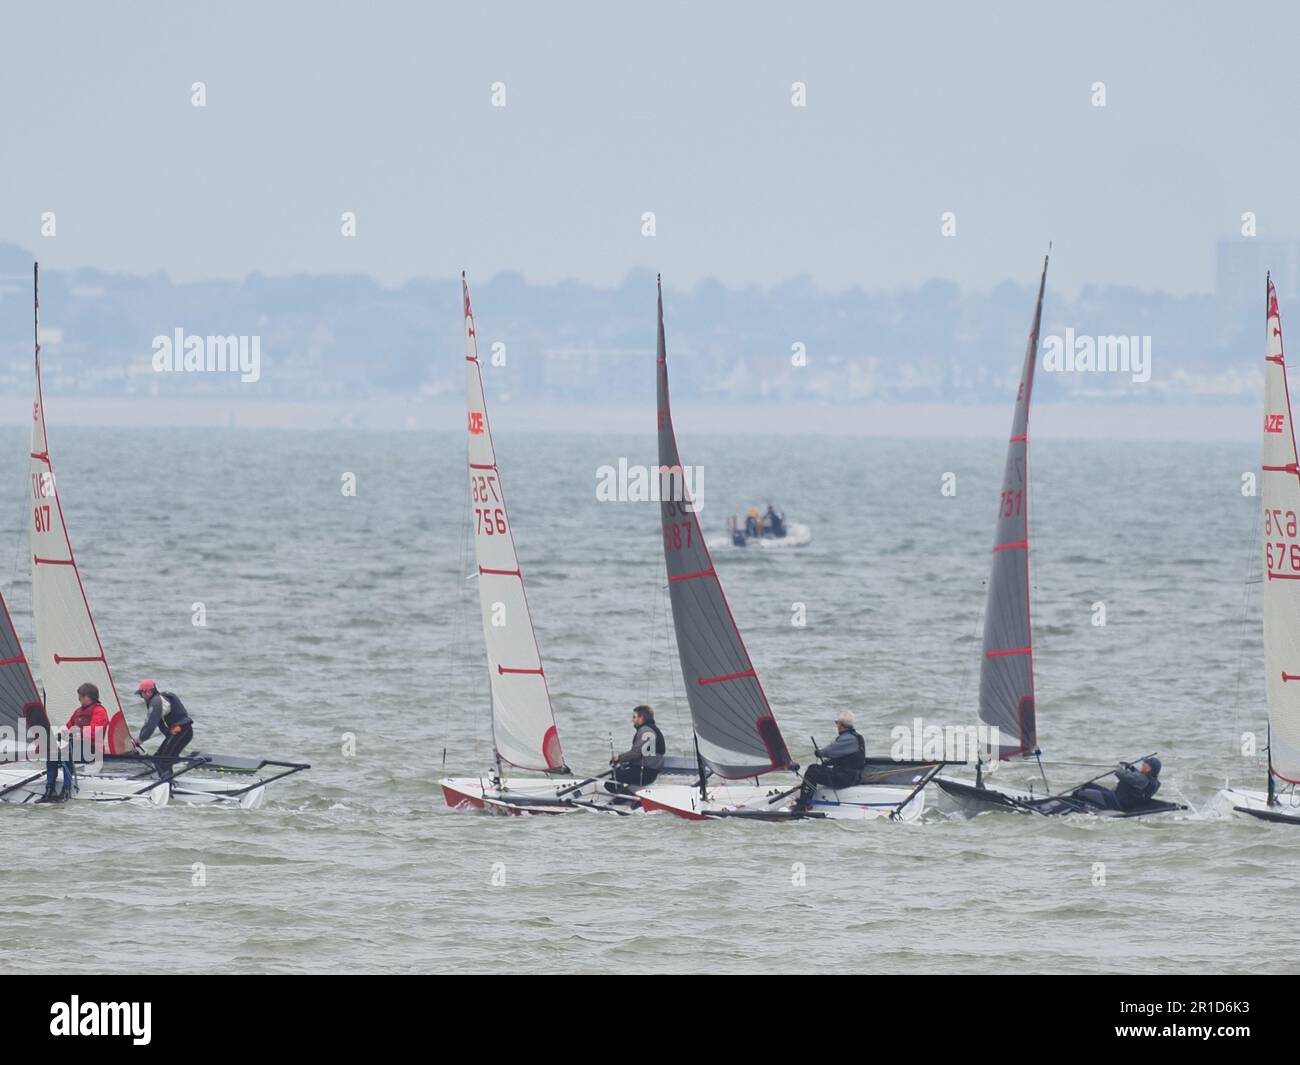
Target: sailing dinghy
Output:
[(1006, 701), (70, 654), (1280, 803), (525, 735), (736, 734), (22, 771)]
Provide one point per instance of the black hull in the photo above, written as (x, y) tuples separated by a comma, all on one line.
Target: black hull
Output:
[(1269, 815), (1050, 805)]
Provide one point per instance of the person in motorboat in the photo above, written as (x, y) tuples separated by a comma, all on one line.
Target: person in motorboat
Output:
[(1137, 786), (167, 714), (753, 525), (773, 522), (841, 763), (737, 535), (89, 725), (639, 765)]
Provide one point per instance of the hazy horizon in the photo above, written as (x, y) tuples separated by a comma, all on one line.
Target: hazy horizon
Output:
[(685, 111)]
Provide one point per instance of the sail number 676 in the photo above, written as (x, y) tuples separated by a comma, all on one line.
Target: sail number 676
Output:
[(1274, 522)]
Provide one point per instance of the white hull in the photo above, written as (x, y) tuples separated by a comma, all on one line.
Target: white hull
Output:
[(194, 789), (223, 779), (797, 535), (527, 795), (1256, 803), (24, 782), (861, 803)]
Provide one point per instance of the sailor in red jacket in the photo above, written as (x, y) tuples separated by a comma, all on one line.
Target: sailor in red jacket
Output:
[(90, 722)]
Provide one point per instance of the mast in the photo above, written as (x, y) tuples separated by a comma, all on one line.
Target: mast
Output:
[(1006, 700), (735, 728), (1268, 726)]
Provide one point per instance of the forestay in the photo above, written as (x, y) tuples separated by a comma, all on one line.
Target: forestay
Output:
[(734, 725), (523, 721), (1281, 498), (1007, 666)]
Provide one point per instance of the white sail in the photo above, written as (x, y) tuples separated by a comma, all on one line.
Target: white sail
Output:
[(1281, 499), (523, 722), (67, 644)]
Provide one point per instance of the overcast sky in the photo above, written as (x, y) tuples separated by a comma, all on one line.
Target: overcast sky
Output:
[(612, 110)]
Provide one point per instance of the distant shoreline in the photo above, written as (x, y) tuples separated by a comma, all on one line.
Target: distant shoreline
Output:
[(1226, 422)]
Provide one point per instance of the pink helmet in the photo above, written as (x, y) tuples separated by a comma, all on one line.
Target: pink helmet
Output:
[(146, 685)]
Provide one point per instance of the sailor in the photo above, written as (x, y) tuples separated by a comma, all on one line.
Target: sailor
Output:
[(752, 527), (1136, 788), (89, 725), (841, 763), (168, 715), (640, 765), (774, 522)]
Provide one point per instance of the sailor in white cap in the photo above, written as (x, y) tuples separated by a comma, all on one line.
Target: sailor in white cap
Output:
[(841, 763)]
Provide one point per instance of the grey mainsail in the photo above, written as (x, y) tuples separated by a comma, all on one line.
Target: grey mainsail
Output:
[(17, 688), (1007, 666), (734, 725)]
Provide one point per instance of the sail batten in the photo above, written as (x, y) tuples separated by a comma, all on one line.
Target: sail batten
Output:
[(1007, 664), (524, 732), (734, 725), (1280, 493), (68, 647)]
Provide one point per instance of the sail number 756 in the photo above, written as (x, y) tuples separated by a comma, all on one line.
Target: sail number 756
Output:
[(490, 522)]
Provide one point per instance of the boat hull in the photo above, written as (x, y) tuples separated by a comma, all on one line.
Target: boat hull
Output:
[(199, 791), (756, 802), (201, 778), (797, 535), (976, 800), (531, 795), (24, 782), (1255, 804)]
